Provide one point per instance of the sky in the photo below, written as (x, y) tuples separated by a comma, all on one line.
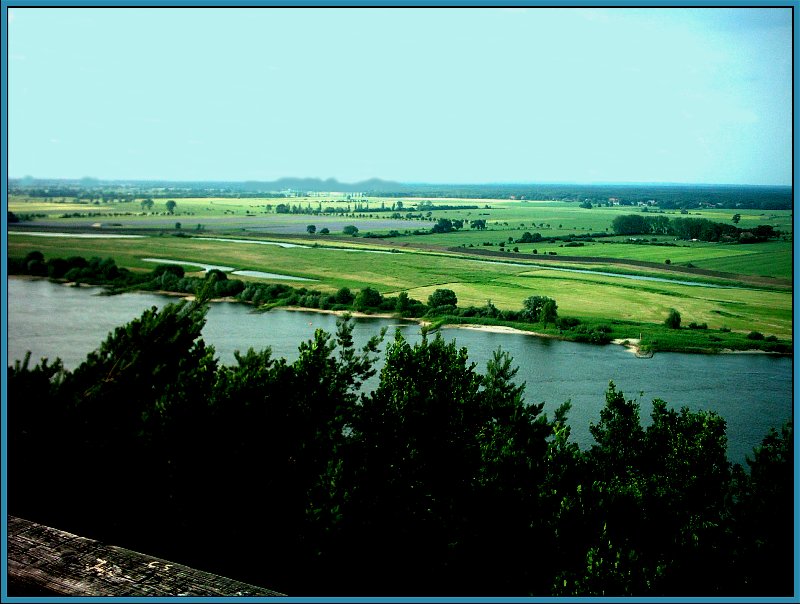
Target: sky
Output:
[(574, 95)]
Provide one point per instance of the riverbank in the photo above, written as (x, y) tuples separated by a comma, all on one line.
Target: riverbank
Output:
[(655, 339), (632, 345)]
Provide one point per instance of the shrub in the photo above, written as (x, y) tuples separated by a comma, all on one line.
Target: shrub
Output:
[(567, 322), (34, 255), (673, 320), (694, 325), (57, 267), (344, 296), (216, 273), (443, 297), (174, 269), (443, 309), (368, 298), (755, 335), (327, 302)]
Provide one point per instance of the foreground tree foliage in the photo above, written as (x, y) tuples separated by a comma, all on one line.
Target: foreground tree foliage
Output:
[(439, 480)]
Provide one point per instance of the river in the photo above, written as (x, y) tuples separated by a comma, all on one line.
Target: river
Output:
[(753, 392)]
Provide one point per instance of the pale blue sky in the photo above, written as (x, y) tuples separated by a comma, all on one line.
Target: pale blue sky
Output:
[(415, 95)]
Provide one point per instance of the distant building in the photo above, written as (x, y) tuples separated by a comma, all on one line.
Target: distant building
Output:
[(343, 195)]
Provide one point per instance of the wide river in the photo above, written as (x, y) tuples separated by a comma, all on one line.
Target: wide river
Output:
[(753, 392)]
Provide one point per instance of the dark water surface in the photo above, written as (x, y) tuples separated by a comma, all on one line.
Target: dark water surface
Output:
[(753, 392)]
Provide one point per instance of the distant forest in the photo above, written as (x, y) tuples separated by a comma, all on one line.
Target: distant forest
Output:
[(665, 196)]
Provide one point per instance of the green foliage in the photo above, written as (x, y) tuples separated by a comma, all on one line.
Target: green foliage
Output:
[(421, 476), (350, 230), (174, 269), (533, 306), (442, 297), (214, 274), (443, 225), (549, 312), (344, 296), (368, 298), (700, 229), (764, 509), (673, 320)]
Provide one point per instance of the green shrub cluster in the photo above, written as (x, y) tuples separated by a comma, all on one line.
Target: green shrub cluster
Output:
[(442, 480)]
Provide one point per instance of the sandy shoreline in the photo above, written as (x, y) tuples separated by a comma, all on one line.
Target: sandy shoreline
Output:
[(630, 344)]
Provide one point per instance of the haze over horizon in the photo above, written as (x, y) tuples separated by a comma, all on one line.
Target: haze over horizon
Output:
[(338, 181), (434, 96)]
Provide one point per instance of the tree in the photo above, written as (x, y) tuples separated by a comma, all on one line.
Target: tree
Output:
[(311, 229), (736, 218), (673, 320), (586, 204), (215, 274), (177, 226), (478, 225), (350, 230), (147, 204), (763, 513), (324, 231), (403, 302), (630, 224), (171, 206), (440, 473), (344, 296), (442, 297), (532, 307), (443, 225), (549, 312), (368, 298), (527, 237)]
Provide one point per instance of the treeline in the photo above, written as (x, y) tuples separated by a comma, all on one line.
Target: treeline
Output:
[(690, 228), (441, 306), (216, 284), (441, 480), (665, 196)]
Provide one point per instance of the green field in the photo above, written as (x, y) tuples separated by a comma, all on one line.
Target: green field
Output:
[(475, 281), (761, 274), (507, 220)]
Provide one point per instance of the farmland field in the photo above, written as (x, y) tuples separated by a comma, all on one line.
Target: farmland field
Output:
[(233, 232), (419, 272)]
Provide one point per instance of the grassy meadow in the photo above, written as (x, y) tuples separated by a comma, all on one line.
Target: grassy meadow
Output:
[(506, 221), (421, 263), (587, 296)]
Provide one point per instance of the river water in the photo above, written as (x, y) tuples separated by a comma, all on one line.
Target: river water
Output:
[(753, 392)]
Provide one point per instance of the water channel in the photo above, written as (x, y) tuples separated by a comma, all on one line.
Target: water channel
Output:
[(753, 392)]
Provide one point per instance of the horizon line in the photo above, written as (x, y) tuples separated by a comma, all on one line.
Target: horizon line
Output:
[(398, 182)]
